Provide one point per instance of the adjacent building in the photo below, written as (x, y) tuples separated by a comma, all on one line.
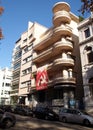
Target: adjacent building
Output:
[(22, 63), (16, 63), (49, 67), (85, 29), (5, 85)]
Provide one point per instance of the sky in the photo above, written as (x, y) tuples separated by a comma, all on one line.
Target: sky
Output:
[(15, 18)]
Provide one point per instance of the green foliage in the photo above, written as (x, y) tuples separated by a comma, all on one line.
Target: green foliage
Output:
[(81, 18)]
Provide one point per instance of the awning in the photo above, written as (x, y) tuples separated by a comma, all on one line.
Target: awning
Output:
[(88, 84), (63, 85)]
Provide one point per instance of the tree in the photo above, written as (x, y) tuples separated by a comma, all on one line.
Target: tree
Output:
[(87, 6), (1, 35), (1, 11), (81, 18)]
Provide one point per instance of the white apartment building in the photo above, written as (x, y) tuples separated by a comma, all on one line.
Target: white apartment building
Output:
[(86, 51), (5, 85)]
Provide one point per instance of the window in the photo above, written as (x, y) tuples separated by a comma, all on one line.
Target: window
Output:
[(7, 84), (30, 47), (25, 84), (18, 55), (64, 55), (91, 86), (90, 57), (26, 71), (26, 50), (16, 66), (30, 36), (25, 40), (2, 84), (17, 48), (27, 59), (89, 53), (87, 33), (65, 73), (70, 74)]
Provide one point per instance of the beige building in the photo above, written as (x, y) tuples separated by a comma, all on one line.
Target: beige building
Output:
[(50, 71), (86, 51), (27, 40), (58, 50)]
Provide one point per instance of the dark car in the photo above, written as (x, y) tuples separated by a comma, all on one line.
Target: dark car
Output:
[(22, 110), (45, 113), (7, 119), (7, 108), (28, 111), (75, 116)]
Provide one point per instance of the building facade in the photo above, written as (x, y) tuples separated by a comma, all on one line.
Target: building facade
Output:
[(5, 85), (27, 40), (57, 51), (16, 63), (50, 71), (86, 51)]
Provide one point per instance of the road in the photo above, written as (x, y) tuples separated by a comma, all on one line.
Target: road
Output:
[(29, 123)]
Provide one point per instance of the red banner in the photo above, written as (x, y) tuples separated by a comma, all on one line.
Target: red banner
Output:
[(41, 79)]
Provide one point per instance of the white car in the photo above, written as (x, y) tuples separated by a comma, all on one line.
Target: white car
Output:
[(75, 116)]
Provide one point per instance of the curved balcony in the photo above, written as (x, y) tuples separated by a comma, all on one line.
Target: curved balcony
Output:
[(61, 17), (63, 62), (60, 80), (63, 45), (43, 56), (61, 6), (63, 30), (53, 51)]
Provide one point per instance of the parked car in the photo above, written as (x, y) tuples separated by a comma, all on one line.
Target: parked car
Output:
[(7, 108), (45, 113), (7, 119), (23, 110), (28, 111), (75, 116)]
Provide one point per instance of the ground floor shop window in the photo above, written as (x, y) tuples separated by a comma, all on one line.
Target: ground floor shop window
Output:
[(91, 86)]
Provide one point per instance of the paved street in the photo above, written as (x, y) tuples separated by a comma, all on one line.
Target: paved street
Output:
[(29, 123)]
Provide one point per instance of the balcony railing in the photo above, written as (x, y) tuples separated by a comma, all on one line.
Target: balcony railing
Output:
[(61, 5), (54, 50), (64, 62), (58, 80), (61, 16), (63, 30), (61, 45)]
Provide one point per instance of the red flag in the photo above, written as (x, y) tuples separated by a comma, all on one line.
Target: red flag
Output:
[(41, 79)]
